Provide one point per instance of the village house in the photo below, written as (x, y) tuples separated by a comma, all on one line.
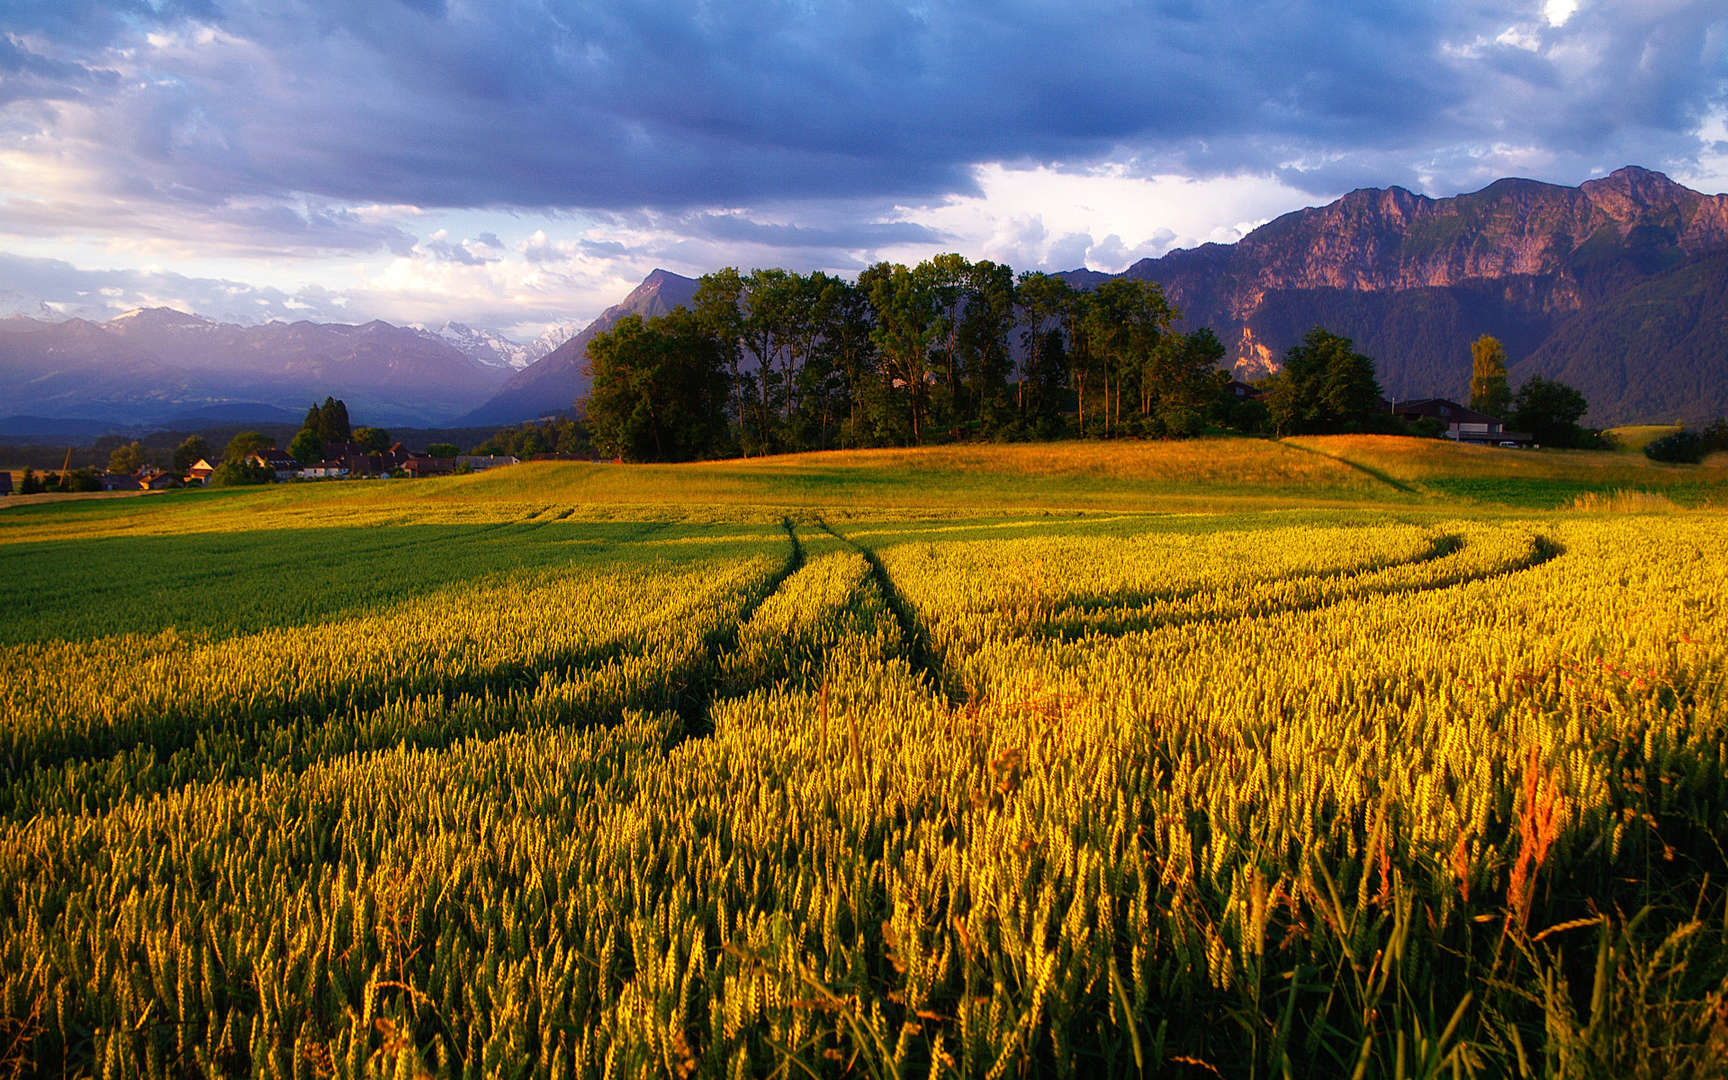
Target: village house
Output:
[(426, 465), (278, 462), (200, 472), (118, 482), (1463, 424), (328, 469), (355, 458)]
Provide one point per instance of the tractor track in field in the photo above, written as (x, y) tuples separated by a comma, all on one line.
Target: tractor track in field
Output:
[(694, 702), (919, 651), (173, 733), (1063, 626)]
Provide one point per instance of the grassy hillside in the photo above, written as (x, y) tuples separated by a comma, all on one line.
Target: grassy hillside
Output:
[(1228, 758), (1198, 475), (1635, 437)]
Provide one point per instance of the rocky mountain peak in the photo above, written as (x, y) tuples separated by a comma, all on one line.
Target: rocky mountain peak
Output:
[(157, 318), (1414, 279)]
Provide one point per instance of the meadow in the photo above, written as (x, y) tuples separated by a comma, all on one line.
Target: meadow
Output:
[(1344, 756)]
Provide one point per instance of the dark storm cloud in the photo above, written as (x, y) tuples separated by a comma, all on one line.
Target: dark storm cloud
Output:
[(669, 104)]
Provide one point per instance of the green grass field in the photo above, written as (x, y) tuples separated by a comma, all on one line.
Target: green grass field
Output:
[(1352, 756), (1635, 437)]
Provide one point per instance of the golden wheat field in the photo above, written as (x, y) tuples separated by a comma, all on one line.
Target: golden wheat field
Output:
[(1330, 758)]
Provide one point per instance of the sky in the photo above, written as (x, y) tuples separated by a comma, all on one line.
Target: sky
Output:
[(521, 164)]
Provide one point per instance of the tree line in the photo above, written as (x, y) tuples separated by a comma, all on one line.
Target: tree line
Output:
[(774, 361)]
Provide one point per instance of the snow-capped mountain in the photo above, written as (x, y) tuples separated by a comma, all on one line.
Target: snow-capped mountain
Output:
[(487, 346), (495, 350), (157, 362), (555, 336)]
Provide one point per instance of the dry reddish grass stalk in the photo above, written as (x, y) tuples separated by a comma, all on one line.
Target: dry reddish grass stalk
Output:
[(1538, 825)]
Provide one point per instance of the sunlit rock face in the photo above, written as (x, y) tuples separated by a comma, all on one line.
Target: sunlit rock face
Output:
[(1543, 267)]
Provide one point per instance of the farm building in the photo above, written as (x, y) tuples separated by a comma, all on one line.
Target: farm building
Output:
[(427, 465), (1463, 424), (278, 462)]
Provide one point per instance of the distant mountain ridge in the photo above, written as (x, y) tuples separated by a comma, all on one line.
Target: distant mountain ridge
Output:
[(155, 363), (1618, 286), (553, 383), (1543, 267)]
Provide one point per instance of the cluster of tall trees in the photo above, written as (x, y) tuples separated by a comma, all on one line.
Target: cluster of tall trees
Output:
[(564, 437), (328, 424), (1324, 387), (1547, 409), (776, 361)]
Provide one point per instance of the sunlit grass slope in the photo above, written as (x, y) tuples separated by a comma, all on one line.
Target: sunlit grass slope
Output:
[(1198, 475), (1636, 437), (1236, 758), (1484, 475)]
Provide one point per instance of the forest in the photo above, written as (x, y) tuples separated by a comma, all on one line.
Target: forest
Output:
[(948, 350)]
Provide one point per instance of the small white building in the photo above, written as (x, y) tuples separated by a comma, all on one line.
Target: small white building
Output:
[(324, 470)]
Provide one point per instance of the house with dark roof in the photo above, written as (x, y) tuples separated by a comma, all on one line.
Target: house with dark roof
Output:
[(277, 461), (427, 465), (1462, 423), (328, 469), (200, 472)]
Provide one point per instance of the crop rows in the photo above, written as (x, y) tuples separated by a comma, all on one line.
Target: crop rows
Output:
[(1370, 798)]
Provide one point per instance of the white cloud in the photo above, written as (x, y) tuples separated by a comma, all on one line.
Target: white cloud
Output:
[(1558, 11), (1521, 37), (1710, 175), (1105, 218)]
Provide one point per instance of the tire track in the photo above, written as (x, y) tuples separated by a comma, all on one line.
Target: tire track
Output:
[(184, 746), (923, 657), (1542, 550)]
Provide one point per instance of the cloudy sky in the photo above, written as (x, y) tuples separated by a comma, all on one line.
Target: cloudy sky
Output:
[(519, 163)]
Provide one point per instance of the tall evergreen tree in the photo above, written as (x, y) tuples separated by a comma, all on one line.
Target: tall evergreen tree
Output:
[(333, 423)]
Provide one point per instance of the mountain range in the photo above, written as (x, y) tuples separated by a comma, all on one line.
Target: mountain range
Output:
[(552, 383), (151, 364), (1618, 287), (495, 350)]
